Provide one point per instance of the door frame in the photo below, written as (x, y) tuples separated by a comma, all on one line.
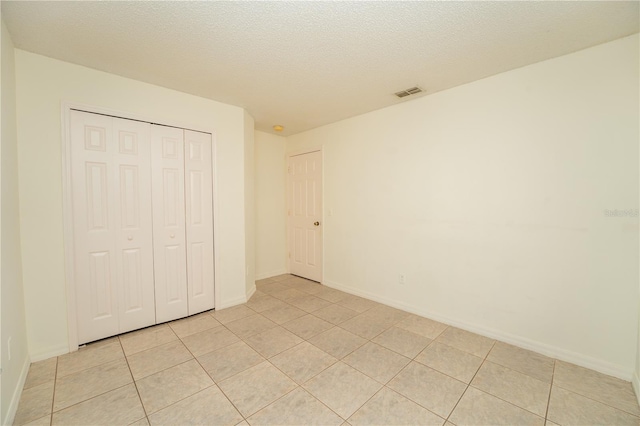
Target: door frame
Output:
[(67, 200), (288, 205)]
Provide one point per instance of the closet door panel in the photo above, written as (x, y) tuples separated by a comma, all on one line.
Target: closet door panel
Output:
[(199, 221), (94, 225), (167, 153), (135, 233)]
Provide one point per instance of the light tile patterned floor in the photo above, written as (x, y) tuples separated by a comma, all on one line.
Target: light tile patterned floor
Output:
[(299, 353)]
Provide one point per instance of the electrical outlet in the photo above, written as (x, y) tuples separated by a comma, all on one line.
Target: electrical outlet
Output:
[(401, 279), (9, 347)]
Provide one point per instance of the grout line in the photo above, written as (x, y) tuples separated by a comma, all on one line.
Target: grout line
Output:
[(239, 372), (553, 373), (93, 397), (230, 402), (471, 380), (385, 385), (88, 347), (457, 403), (406, 396), (398, 373), (273, 402), (275, 366), (193, 358), (53, 397), (135, 383), (313, 376), (317, 374), (598, 401), (329, 366), (485, 359), (365, 403), (508, 402), (208, 375)]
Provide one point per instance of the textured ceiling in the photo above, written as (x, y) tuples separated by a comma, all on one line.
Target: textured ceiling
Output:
[(305, 64)]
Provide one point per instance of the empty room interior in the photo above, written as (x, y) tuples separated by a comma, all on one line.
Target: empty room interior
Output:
[(317, 212)]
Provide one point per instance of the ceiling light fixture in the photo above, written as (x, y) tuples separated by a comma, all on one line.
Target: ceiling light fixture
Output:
[(278, 128)]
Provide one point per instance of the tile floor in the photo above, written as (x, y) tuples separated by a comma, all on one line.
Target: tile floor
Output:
[(299, 353)]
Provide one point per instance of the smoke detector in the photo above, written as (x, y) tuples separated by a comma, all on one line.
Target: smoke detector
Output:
[(408, 92)]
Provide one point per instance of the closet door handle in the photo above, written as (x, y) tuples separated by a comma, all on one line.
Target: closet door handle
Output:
[(130, 238), (172, 235)]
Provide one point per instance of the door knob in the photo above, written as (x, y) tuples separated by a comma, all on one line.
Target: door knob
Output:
[(316, 223), (172, 235), (129, 238)]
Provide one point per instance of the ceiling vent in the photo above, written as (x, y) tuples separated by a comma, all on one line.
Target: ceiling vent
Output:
[(407, 92)]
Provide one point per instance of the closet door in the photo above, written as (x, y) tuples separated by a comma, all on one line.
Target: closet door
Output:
[(167, 154), (134, 241), (110, 169), (199, 221), (94, 224)]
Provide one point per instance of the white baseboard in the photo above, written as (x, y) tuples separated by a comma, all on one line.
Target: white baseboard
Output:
[(543, 348), (250, 292), (15, 398), (237, 301), (275, 273), (636, 384), (49, 353)]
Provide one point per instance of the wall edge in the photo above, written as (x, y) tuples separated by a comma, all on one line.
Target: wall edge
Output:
[(15, 399)]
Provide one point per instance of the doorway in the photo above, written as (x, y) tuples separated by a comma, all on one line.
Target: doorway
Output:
[(304, 215)]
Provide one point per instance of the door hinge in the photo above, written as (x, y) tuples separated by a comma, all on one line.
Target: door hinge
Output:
[(289, 255), (289, 169)]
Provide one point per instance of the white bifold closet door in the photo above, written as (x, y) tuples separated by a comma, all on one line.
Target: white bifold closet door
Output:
[(143, 223), (199, 223), (182, 225), (111, 178), (169, 237)]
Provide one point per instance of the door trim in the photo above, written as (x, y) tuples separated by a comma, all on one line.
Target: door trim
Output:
[(288, 205), (67, 201)]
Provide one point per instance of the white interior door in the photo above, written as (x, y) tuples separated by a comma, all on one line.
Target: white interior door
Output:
[(305, 215), (113, 264), (199, 221), (167, 154)]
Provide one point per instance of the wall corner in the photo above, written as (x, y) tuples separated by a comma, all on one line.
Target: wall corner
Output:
[(249, 203)]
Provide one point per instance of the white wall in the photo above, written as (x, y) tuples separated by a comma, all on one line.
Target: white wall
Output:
[(249, 204), (42, 83), (12, 295), (490, 199), (270, 179)]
